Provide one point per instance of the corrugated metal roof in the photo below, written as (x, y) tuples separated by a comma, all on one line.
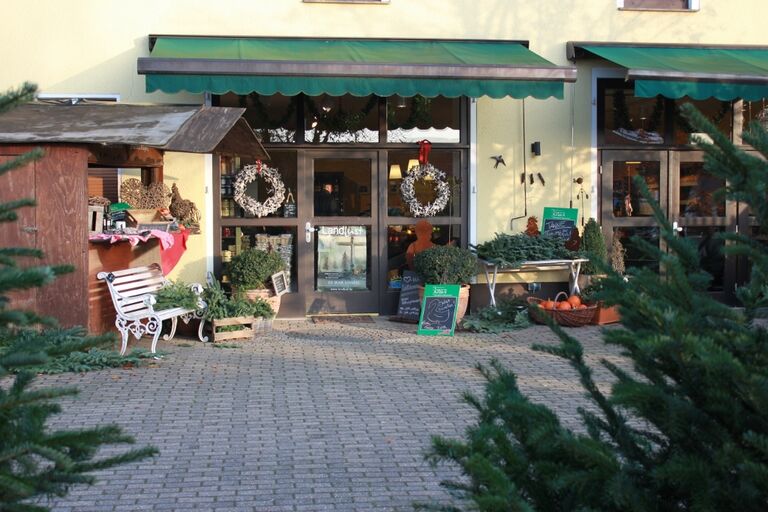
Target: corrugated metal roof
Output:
[(189, 129)]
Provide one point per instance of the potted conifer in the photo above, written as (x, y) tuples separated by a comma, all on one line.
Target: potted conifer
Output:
[(250, 273), (446, 264)]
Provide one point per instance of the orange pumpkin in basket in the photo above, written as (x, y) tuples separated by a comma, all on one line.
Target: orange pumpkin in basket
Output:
[(564, 305), (574, 301), (547, 304), (581, 306)]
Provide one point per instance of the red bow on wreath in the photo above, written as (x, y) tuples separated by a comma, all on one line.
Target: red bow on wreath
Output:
[(258, 167), (424, 148)]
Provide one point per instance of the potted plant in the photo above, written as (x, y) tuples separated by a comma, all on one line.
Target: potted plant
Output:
[(446, 264), (233, 317), (592, 293), (250, 273)]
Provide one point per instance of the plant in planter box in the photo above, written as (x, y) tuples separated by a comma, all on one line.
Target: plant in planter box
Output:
[(250, 272), (446, 264), (223, 307), (176, 295)]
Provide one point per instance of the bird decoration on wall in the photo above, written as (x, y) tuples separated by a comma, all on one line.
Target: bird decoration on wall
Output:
[(184, 210), (499, 160)]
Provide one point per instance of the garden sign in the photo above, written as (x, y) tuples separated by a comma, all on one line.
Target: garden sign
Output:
[(559, 222)]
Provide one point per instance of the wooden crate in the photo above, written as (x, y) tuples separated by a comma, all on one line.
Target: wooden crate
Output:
[(248, 332)]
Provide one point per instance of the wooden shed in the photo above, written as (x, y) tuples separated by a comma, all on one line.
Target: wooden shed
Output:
[(74, 138)]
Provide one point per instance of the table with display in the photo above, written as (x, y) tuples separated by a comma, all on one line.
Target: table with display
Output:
[(492, 271)]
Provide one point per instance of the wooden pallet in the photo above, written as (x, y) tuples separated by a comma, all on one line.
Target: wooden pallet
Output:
[(248, 332)]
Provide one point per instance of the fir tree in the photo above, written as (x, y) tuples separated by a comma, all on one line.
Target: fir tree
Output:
[(35, 461), (687, 429)]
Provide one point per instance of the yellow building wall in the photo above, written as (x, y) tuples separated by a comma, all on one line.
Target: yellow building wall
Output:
[(88, 46), (187, 172)]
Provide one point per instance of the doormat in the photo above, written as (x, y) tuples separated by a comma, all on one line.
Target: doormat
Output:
[(343, 319)]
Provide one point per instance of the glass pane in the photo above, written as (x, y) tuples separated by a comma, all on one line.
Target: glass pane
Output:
[(627, 201), (400, 237), (629, 120), (710, 251), (342, 187), (273, 118), (418, 118), (720, 113), (398, 164), (633, 257), (334, 119), (342, 258), (259, 189), (282, 239), (697, 192)]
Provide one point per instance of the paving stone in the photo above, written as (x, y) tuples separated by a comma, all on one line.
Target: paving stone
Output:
[(308, 417)]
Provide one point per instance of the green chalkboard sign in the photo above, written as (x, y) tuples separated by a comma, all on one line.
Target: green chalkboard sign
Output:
[(438, 309), (559, 222)]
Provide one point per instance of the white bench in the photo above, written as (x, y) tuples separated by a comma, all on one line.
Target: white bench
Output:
[(133, 295)]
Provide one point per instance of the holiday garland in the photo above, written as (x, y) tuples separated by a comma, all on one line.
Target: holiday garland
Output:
[(408, 192), (272, 176)]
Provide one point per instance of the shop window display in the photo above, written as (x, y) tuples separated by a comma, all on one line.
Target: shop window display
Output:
[(627, 120), (418, 118), (273, 117), (259, 190), (341, 119), (400, 162), (400, 237), (280, 239)]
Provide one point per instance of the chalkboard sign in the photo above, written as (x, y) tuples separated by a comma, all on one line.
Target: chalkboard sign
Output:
[(409, 305), (559, 222), (438, 311), (280, 283)]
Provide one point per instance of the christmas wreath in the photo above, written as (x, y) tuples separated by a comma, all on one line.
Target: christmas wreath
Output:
[(272, 176), (408, 192)]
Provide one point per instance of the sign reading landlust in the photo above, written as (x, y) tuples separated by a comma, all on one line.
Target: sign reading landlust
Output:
[(342, 258)]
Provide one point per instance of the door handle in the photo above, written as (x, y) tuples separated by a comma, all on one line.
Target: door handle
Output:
[(29, 229), (676, 228), (308, 230)]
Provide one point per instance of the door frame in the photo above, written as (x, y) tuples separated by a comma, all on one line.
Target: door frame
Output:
[(316, 302)]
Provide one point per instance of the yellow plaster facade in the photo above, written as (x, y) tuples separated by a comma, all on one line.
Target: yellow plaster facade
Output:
[(89, 46)]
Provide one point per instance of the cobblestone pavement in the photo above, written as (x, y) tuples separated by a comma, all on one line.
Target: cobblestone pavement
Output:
[(307, 418)]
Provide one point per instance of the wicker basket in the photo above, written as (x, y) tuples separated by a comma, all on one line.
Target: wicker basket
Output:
[(564, 317)]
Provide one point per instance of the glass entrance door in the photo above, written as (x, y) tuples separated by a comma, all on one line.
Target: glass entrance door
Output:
[(340, 246), (687, 196)]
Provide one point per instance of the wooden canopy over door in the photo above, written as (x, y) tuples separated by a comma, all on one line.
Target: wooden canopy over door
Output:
[(56, 226)]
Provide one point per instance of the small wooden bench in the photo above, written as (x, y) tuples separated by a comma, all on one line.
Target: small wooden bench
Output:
[(133, 295)]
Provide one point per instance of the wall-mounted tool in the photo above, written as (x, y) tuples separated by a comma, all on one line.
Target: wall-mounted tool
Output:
[(541, 178), (582, 194), (499, 160), (530, 176)]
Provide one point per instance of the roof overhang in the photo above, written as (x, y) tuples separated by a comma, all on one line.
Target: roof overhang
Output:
[(186, 129)]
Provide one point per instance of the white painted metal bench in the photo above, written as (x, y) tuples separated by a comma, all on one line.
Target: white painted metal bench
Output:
[(133, 295)]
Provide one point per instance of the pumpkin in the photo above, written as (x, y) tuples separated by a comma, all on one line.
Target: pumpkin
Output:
[(574, 301), (581, 306), (548, 304), (564, 305)]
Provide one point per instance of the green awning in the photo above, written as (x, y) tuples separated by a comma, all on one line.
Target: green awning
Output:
[(674, 71), (350, 66)]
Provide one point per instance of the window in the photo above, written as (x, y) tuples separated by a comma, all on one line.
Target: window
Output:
[(659, 5), (626, 120)]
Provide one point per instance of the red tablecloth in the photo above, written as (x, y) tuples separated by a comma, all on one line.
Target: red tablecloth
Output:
[(172, 245), (170, 256)]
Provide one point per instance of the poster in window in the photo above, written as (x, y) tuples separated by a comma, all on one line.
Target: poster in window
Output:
[(342, 258)]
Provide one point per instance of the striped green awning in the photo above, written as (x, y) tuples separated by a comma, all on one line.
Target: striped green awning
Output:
[(674, 71), (359, 67)]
